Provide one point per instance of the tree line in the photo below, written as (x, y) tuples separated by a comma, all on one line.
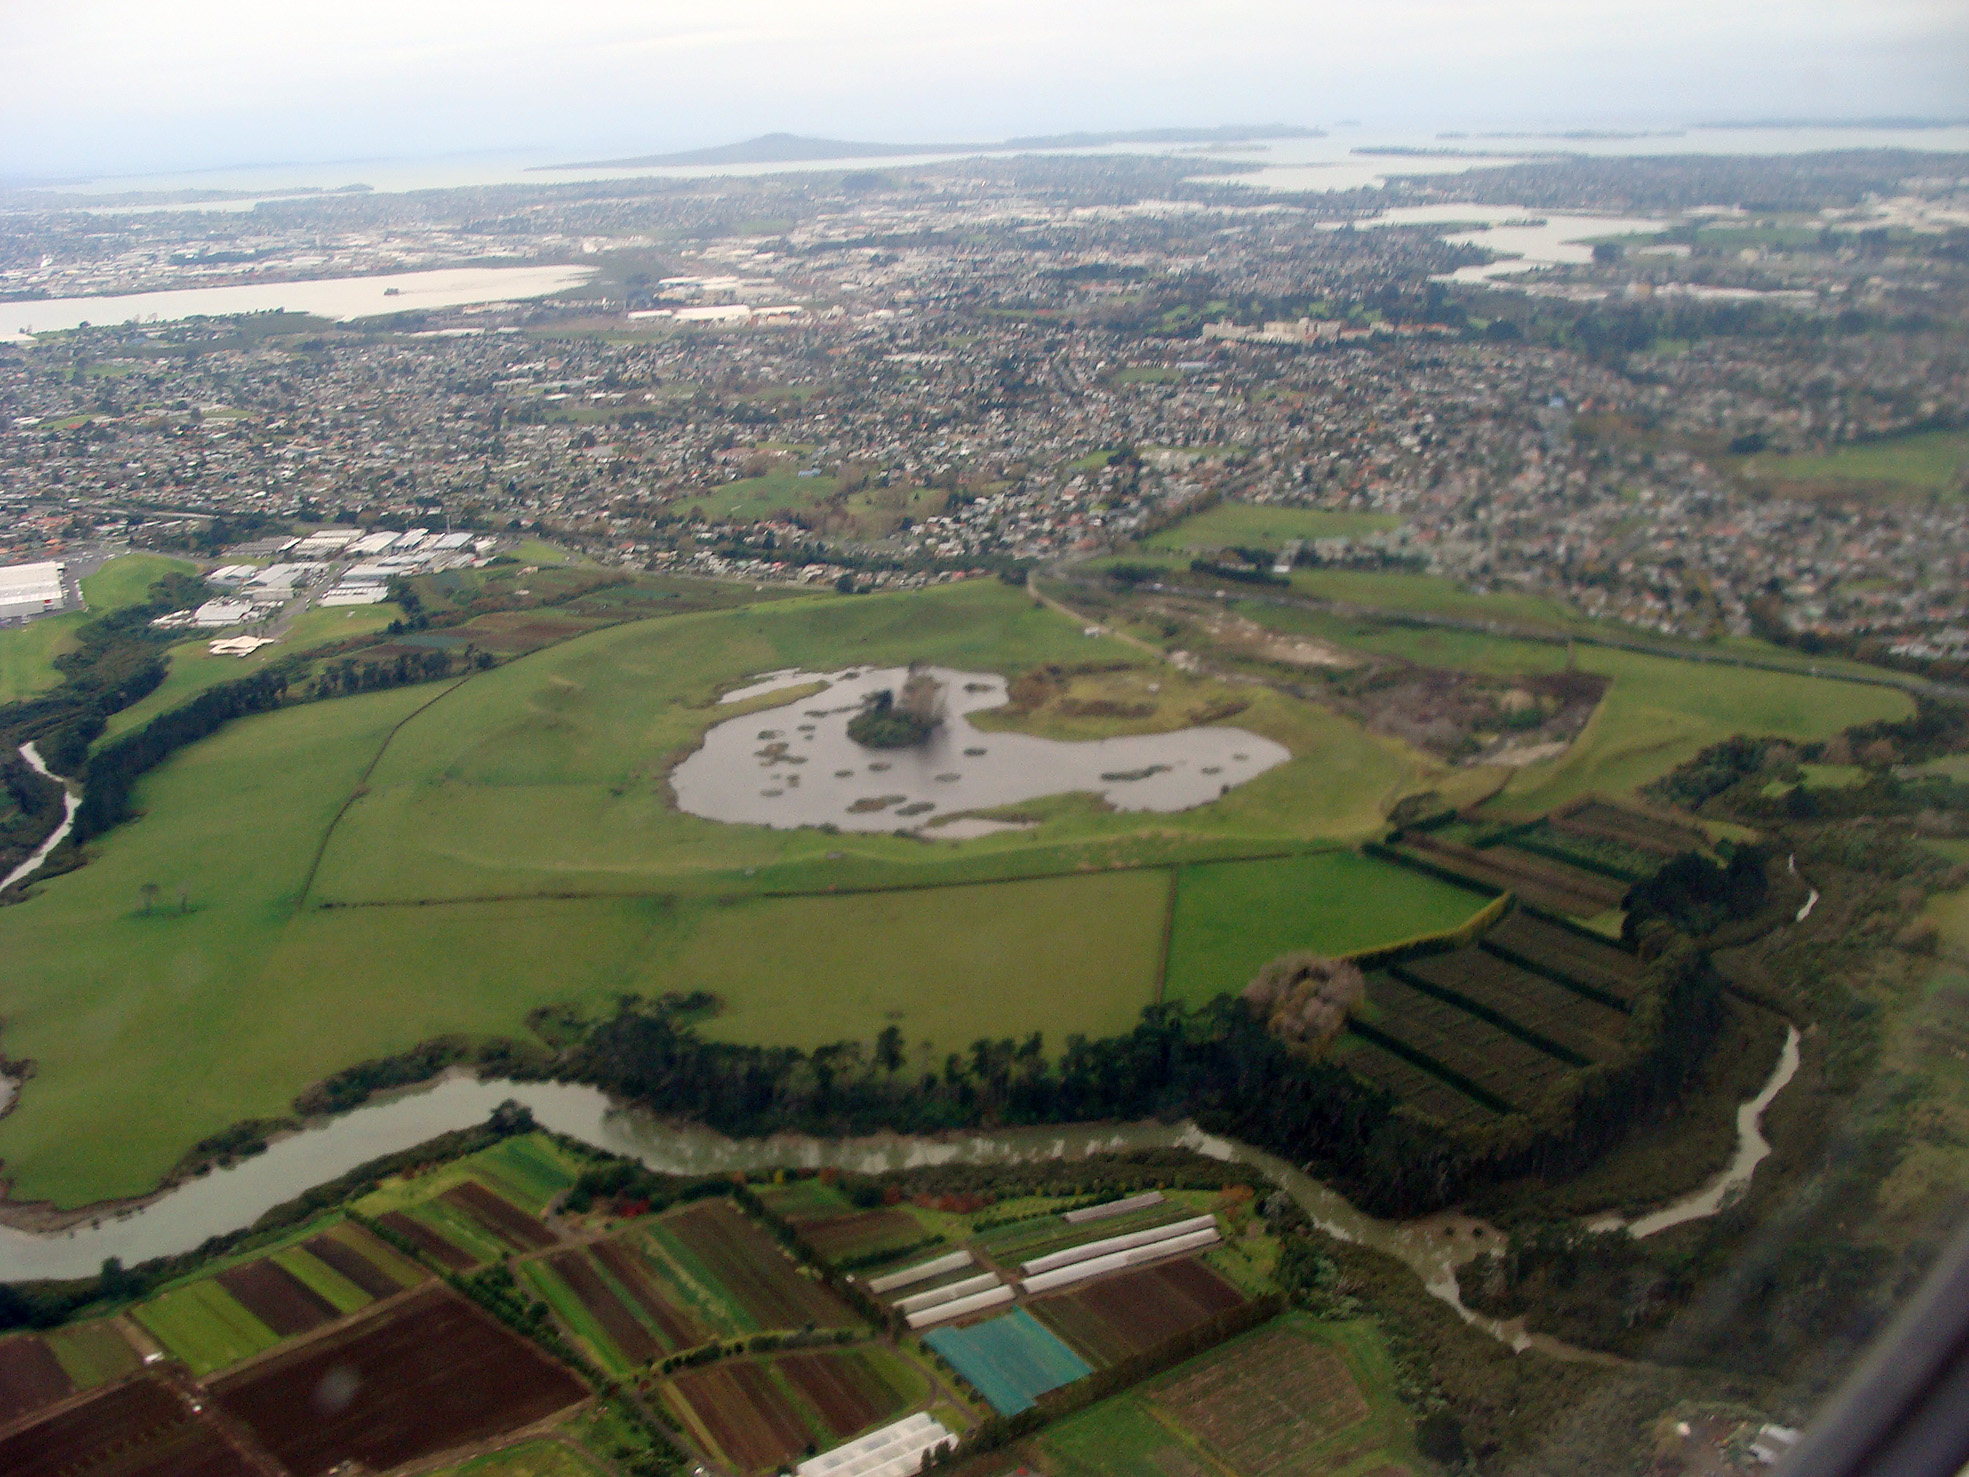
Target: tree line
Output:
[(1215, 1063)]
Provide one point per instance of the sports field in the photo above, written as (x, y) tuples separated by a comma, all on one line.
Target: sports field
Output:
[(1249, 525), (27, 652), (1927, 461)]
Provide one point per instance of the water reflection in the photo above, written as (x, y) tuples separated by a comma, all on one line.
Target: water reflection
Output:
[(796, 765)]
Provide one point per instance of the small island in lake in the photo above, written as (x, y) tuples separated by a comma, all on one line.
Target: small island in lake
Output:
[(889, 721)]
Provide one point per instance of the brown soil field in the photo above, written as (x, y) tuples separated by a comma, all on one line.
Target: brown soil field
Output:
[(844, 1388), (139, 1429), (678, 1327), (278, 1298), (352, 1264), (1115, 1317), (1263, 1403), (500, 1216), (635, 1342), (426, 1240), (747, 1416), (754, 1271), (30, 1377), (850, 1235), (429, 1374)]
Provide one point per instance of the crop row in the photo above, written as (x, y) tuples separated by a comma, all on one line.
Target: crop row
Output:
[(1546, 948), (1472, 1049), (1419, 1088), (1492, 987), (1112, 1318), (1664, 838)]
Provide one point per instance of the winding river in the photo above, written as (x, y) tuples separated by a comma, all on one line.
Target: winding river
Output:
[(70, 803), (1434, 1247)]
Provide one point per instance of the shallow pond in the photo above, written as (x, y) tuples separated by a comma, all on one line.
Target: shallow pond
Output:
[(796, 766)]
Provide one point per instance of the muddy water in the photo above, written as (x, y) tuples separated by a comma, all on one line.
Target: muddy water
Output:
[(1433, 1247), (70, 803), (796, 766)]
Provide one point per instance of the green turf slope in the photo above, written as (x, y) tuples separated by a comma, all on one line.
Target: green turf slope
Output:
[(548, 775)]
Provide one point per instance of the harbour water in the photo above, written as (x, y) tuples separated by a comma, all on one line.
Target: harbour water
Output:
[(333, 297)]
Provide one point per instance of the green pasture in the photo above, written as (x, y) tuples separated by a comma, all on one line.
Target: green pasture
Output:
[(343, 1295), (1658, 712), (549, 774), (872, 511), (545, 777), (201, 1324), (191, 667), (1253, 525), (1925, 461), (27, 653), (1233, 917)]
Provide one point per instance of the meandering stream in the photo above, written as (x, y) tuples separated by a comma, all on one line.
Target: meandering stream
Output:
[(70, 803), (1434, 1247)]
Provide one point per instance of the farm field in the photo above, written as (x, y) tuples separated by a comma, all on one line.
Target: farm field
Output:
[(91, 1353), (30, 1376), (202, 1324), (1010, 1360), (1491, 1027), (140, 1426), (1295, 1397), (27, 652), (430, 1373), (1233, 917), (1253, 525), (760, 1414), (1112, 1318), (751, 1271), (1541, 880)]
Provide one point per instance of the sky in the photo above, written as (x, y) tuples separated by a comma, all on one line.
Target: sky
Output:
[(104, 87)]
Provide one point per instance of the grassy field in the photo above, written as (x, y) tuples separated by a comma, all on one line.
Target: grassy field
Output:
[(27, 652), (871, 512), (1232, 917), (1251, 525), (553, 768), (1658, 712), (91, 1354), (192, 667), (545, 777), (201, 1324), (1927, 461)]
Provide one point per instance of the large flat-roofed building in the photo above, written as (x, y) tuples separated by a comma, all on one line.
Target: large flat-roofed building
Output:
[(30, 589)]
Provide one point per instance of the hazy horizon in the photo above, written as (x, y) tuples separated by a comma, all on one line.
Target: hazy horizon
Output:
[(109, 87)]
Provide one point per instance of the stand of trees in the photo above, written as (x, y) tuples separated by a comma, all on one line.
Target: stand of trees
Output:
[(1217, 1064), (114, 770)]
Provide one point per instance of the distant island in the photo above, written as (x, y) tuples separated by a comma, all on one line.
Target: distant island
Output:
[(793, 148)]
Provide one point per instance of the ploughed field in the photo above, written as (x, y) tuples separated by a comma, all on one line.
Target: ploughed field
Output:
[(759, 1414), (1489, 1028), (423, 1376)]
